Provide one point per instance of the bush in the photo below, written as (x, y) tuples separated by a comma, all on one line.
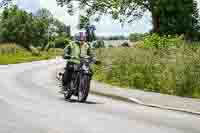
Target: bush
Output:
[(61, 42), (8, 49), (99, 44), (134, 37), (110, 46), (193, 36), (139, 44), (35, 51), (125, 44), (156, 41)]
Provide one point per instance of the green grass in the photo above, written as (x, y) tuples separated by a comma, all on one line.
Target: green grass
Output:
[(174, 71), (13, 54)]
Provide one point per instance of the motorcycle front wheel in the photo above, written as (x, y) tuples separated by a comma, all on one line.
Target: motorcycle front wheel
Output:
[(84, 88)]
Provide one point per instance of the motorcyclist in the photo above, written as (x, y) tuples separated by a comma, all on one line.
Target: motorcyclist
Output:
[(72, 53)]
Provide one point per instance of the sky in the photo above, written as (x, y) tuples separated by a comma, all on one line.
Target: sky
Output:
[(107, 26)]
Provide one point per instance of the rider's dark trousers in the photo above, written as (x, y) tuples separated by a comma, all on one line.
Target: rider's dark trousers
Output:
[(70, 71)]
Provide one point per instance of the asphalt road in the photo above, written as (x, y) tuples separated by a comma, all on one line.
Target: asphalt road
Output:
[(30, 103)]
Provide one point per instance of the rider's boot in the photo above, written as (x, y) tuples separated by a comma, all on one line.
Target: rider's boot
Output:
[(63, 89)]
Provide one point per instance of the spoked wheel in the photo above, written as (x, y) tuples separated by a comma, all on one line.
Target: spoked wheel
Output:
[(84, 88)]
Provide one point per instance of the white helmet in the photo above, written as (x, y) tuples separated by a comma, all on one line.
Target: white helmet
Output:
[(81, 36)]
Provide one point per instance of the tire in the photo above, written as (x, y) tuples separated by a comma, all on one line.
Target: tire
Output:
[(84, 88)]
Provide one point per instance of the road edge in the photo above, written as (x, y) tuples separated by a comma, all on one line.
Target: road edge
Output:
[(136, 101), (139, 102)]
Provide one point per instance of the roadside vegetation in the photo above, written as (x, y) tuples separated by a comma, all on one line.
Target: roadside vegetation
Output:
[(31, 37), (12, 54), (165, 60), (166, 65)]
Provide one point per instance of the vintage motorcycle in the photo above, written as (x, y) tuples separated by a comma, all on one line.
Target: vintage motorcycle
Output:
[(79, 85)]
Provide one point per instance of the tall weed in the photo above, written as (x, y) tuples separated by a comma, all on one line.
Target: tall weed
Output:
[(174, 71)]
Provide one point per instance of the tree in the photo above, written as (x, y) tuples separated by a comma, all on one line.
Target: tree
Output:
[(23, 28), (165, 14), (55, 26), (62, 29), (84, 23), (129, 10), (57, 30), (27, 29), (116, 37), (5, 3), (44, 14), (179, 17)]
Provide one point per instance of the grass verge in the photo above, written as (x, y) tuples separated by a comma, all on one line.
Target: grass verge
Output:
[(174, 71), (13, 54)]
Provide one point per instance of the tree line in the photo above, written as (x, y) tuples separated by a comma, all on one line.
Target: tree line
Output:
[(112, 37), (38, 29), (168, 16)]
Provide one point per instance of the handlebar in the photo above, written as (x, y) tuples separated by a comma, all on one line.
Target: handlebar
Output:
[(86, 59), (91, 60)]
